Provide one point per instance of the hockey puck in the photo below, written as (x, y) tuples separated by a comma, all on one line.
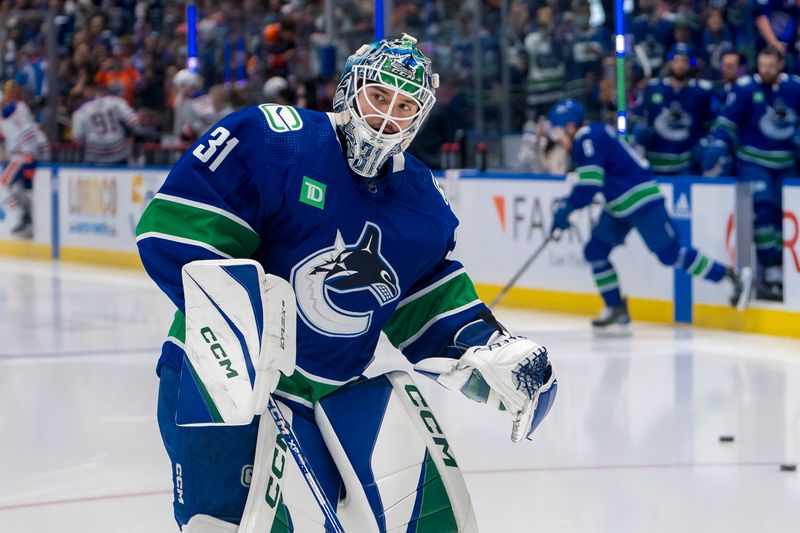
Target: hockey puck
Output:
[(726, 438), (788, 468)]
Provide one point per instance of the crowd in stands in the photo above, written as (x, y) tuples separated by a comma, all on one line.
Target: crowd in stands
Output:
[(271, 50)]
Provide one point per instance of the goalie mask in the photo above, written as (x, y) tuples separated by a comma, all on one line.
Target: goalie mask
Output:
[(385, 94)]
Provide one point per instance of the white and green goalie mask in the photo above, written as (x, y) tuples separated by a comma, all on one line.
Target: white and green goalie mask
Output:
[(385, 94)]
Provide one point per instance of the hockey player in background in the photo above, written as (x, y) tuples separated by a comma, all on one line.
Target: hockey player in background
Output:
[(606, 164), (196, 111), (673, 114), (103, 126), (760, 124), (24, 144), (331, 203)]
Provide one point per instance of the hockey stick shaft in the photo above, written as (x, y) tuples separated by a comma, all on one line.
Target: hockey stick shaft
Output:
[(305, 469), (520, 272)]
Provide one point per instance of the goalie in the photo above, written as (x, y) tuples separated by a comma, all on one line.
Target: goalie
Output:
[(355, 238)]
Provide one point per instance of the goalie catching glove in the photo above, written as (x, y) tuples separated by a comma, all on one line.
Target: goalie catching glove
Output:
[(510, 372)]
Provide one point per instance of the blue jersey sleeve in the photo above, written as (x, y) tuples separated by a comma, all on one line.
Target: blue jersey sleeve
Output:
[(210, 206), (589, 163), (761, 8), (434, 309)]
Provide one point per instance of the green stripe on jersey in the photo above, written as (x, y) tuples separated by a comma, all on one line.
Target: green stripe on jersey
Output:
[(591, 175), (777, 159), (305, 388), (699, 266), (669, 162), (198, 224), (435, 512), (634, 198), (727, 124), (414, 314), (178, 327), (606, 278)]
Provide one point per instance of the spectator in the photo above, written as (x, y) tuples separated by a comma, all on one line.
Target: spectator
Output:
[(542, 151), (653, 35), (118, 74), (717, 41), (778, 23), (546, 70), (588, 45)]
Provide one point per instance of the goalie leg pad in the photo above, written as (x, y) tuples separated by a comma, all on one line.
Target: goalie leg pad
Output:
[(214, 469), (279, 497), (397, 466), (210, 465)]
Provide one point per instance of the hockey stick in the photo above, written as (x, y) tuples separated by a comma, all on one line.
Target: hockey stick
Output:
[(299, 457), (521, 271)]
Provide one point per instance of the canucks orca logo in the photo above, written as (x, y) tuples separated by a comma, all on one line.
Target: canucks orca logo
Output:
[(673, 123), (778, 122), (343, 268)]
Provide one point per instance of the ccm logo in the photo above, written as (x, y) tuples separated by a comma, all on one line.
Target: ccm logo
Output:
[(219, 352), (430, 423)]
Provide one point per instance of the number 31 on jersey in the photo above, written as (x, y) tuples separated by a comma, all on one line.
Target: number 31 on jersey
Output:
[(218, 137)]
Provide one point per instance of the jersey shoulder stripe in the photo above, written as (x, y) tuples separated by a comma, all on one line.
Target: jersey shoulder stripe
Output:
[(171, 216)]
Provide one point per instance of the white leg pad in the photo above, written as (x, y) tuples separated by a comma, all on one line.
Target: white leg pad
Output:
[(202, 523), (278, 490), (396, 464)]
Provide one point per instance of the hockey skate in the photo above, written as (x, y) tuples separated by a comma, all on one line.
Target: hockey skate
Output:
[(742, 286), (613, 322), (24, 229), (772, 287)]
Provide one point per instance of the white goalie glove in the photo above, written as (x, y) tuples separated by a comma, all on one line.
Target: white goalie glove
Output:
[(510, 372)]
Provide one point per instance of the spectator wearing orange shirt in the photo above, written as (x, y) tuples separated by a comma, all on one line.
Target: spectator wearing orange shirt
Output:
[(118, 74)]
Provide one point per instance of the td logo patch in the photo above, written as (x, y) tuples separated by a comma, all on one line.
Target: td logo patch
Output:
[(312, 193)]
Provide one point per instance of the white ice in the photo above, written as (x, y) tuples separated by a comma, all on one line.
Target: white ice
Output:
[(632, 444)]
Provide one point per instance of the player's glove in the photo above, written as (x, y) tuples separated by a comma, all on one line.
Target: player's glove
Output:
[(511, 372), (561, 218), (714, 158)]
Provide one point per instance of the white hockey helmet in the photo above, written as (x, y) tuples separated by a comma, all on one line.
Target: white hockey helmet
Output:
[(375, 134), (185, 78)]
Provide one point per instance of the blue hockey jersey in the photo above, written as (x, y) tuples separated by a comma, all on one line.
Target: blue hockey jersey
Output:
[(784, 19), (675, 119), (363, 255), (761, 120), (605, 163)]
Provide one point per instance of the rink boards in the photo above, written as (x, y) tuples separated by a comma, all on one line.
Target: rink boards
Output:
[(89, 215)]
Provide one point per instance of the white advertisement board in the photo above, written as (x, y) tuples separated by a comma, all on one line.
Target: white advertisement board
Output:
[(99, 208), (791, 247), (714, 234), (504, 220)]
